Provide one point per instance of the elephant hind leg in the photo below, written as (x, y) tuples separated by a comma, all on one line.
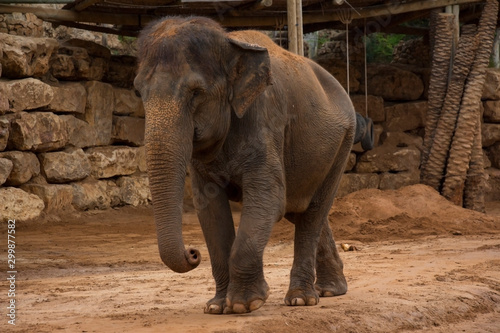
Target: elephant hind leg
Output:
[(314, 247), (330, 279)]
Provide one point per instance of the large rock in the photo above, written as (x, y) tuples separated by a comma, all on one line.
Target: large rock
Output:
[(25, 166), (56, 198), (376, 109), (21, 24), (490, 134), (127, 103), (38, 131), (352, 182), (134, 190), (393, 181), (351, 162), (401, 139), (121, 72), (492, 190), (492, 111), (494, 155), (394, 84), (405, 116), (80, 133), (99, 110), (111, 161), (80, 60), (93, 194), (4, 133), (27, 94), (491, 88), (19, 205), (4, 98), (389, 158), (25, 56), (65, 166), (339, 71), (6, 166), (128, 130), (141, 159), (68, 97)]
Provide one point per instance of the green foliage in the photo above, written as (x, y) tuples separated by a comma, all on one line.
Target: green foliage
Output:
[(126, 39), (379, 46)]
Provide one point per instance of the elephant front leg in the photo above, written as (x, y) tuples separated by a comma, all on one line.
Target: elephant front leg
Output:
[(217, 224), (262, 208)]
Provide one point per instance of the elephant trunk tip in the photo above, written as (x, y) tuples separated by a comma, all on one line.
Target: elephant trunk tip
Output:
[(193, 257), (190, 260)]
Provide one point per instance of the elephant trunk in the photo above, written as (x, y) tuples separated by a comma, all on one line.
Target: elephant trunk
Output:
[(169, 148)]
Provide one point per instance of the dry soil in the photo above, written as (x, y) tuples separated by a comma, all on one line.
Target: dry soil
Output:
[(422, 265)]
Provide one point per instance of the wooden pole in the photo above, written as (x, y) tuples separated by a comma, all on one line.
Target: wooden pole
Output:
[(292, 25), (300, 28)]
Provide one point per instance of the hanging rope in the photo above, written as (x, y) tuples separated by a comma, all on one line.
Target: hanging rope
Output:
[(366, 70), (346, 18)]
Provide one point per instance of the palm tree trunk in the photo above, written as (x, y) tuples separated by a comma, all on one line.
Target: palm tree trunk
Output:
[(446, 124), (443, 45), (468, 119)]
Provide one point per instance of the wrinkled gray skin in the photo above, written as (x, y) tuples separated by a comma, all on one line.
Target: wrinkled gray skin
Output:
[(255, 124)]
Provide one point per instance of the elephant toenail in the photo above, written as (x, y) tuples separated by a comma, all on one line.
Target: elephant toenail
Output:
[(256, 304), (239, 308), (298, 302), (212, 308)]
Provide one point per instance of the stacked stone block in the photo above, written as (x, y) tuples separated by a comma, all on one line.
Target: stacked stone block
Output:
[(490, 130), (68, 140)]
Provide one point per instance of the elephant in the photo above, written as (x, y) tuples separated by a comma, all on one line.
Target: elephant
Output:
[(251, 123)]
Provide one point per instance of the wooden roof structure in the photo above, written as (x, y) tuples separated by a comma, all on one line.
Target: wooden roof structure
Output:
[(128, 17)]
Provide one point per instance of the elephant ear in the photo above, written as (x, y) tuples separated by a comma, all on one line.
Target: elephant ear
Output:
[(251, 74)]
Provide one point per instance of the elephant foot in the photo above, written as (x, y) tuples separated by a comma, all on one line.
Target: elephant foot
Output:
[(331, 289), (215, 305), (301, 297), (334, 287), (243, 300)]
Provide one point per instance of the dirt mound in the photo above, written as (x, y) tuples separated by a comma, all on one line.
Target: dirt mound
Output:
[(412, 211)]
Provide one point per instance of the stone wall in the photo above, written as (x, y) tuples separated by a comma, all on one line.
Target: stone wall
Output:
[(72, 127)]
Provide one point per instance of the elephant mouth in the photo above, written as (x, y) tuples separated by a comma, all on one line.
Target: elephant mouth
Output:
[(196, 135)]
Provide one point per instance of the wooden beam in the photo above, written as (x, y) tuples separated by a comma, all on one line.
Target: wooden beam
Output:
[(64, 15), (261, 4), (98, 28), (367, 12), (85, 4)]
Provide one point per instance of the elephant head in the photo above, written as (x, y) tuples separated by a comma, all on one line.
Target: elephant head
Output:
[(192, 78)]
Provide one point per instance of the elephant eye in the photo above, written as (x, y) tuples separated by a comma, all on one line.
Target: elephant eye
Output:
[(197, 97), (197, 92)]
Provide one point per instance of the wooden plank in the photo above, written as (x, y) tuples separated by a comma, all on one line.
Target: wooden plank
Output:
[(261, 4), (85, 4), (64, 15)]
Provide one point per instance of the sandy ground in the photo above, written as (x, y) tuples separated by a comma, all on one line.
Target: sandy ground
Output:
[(421, 265)]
